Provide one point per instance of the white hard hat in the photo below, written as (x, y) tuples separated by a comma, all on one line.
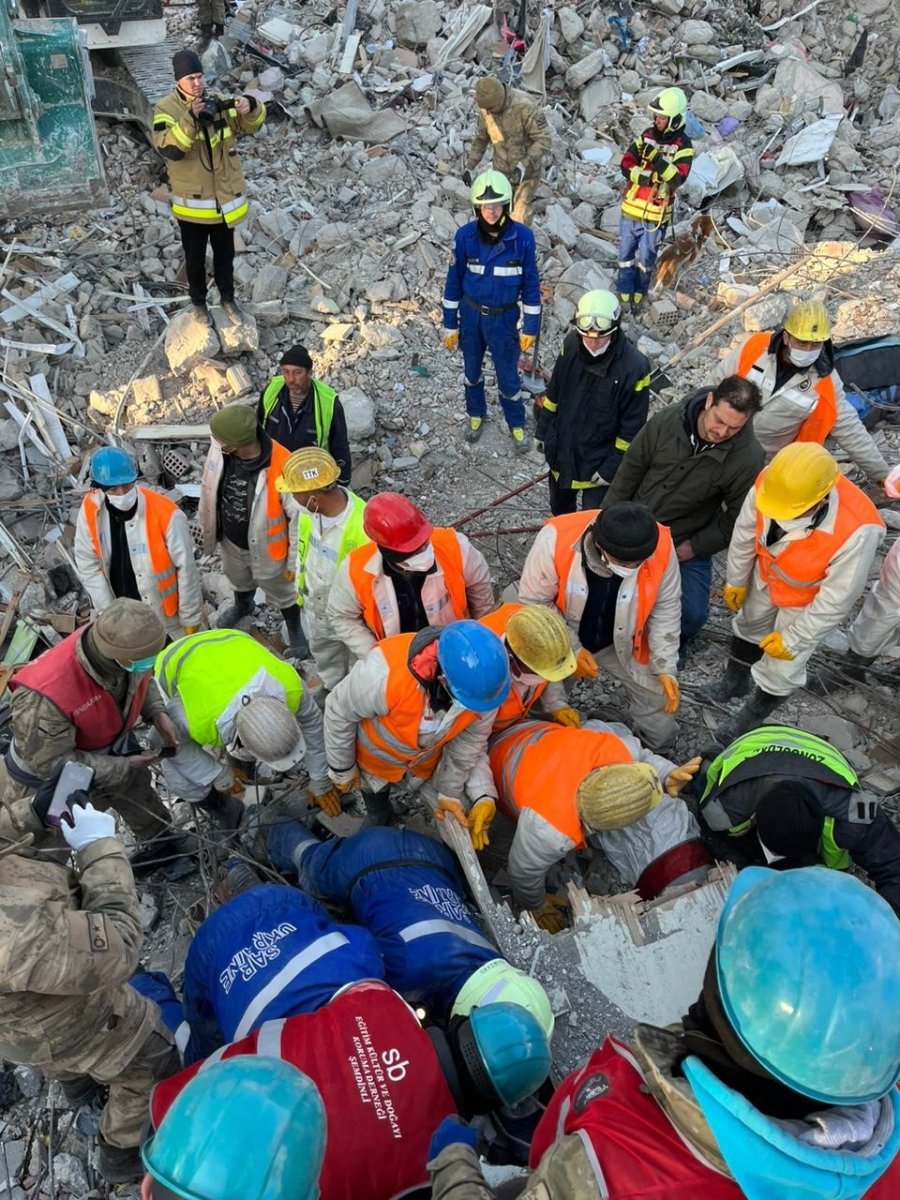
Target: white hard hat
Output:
[(268, 730)]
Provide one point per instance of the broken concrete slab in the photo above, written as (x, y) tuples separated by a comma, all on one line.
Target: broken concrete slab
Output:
[(359, 412), (237, 337), (189, 341), (416, 22)]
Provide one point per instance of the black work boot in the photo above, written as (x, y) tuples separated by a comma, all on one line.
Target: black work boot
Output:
[(226, 811), (736, 680), (297, 645), (231, 310), (82, 1090), (756, 709), (170, 851), (242, 607), (200, 313), (379, 810), (119, 1164), (206, 33)]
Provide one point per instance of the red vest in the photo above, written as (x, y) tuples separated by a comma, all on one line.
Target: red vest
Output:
[(59, 677), (380, 1082)]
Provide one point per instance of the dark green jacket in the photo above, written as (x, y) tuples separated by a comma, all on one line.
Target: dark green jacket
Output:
[(697, 494)]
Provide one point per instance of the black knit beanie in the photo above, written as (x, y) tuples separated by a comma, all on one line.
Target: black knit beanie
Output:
[(627, 531), (297, 356), (787, 822), (186, 62)]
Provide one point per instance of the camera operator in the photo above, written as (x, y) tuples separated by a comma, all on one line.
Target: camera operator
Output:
[(195, 131)]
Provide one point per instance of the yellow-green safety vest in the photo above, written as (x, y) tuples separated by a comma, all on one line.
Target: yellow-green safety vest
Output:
[(323, 406), (352, 535)]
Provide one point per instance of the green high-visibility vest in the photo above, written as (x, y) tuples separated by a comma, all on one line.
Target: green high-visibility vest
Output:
[(352, 535), (207, 670), (830, 852), (323, 406)]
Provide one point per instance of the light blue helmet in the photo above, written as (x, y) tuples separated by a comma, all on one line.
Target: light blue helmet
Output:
[(248, 1126), (111, 466), (506, 1051), (808, 969), (475, 665)]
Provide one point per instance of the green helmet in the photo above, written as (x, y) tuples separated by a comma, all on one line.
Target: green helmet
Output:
[(498, 980), (490, 188), (598, 310), (672, 103)]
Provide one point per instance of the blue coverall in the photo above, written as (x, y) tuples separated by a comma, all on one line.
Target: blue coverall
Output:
[(407, 891), (493, 276)]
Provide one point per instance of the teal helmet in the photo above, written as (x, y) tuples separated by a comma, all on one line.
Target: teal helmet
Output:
[(475, 665), (112, 467), (248, 1126), (808, 972), (505, 1050)]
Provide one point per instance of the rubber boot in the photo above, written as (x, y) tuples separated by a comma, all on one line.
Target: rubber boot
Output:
[(736, 681), (379, 810), (118, 1164), (756, 708), (298, 646), (242, 607), (226, 811)]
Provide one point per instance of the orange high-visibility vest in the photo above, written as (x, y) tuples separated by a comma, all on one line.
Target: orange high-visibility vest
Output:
[(569, 530), (448, 556), (388, 747), (158, 512), (512, 709), (795, 575), (276, 521), (540, 766), (820, 422)]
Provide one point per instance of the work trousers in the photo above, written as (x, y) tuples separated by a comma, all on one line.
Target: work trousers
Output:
[(238, 569), (194, 238), (565, 500), (646, 700), (125, 1113), (696, 580), (639, 246), (211, 12), (875, 629), (498, 334), (331, 656), (759, 616)]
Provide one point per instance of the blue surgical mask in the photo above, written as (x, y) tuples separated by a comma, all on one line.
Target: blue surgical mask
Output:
[(140, 665)]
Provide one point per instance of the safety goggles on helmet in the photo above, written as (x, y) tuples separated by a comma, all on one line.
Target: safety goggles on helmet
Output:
[(591, 323)]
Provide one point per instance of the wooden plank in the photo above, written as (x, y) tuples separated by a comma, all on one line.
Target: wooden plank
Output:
[(9, 616)]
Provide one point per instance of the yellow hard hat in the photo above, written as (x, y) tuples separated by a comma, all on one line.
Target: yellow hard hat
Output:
[(808, 321), (538, 637), (616, 796), (798, 477), (308, 470), (499, 982)]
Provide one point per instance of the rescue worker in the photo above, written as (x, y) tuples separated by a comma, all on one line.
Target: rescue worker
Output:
[(799, 558), (329, 526), (131, 541), (540, 658), (613, 575), (385, 1083), (267, 1122), (874, 629), (407, 890), (596, 402), (655, 165), (805, 802), (802, 394), (494, 267), (225, 691), (517, 131), (408, 576), (421, 707), (243, 512), (69, 940), (80, 701), (296, 411), (195, 134), (779, 1082), (692, 465), (211, 15), (561, 786)]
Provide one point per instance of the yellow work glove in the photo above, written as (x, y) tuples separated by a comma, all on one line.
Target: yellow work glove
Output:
[(734, 597), (480, 816), (447, 807), (329, 800), (565, 716), (289, 576), (773, 645), (451, 339), (344, 781), (551, 916), (681, 776), (526, 341), (189, 629), (672, 691), (585, 665)]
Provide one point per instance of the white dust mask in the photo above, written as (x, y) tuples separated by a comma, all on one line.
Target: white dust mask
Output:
[(420, 562), (599, 350), (622, 571), (804, 358), (124, 502)]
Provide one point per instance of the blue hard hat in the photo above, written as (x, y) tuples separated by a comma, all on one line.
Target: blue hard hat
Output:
[(111, 466), (475, 665), (249, 1126), (808, 969), (513, 1048)]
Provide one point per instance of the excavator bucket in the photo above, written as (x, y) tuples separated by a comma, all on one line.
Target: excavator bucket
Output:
[(49, 154)]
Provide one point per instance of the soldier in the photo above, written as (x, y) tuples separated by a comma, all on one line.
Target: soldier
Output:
[(519, 136)]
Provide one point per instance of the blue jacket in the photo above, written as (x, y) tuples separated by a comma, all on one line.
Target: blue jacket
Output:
[(408, 892), (270, 952), (496, 275)]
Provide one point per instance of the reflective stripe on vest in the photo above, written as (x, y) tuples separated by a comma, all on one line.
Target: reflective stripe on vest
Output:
[(796, 573), (648, 202), (276, 521), (352, 535), (210, 211), (819, 423), (323, 406), (773, 739), (520, 700), (569, 531), (388, 747), (158, 512), (292, 968), (420, 929)]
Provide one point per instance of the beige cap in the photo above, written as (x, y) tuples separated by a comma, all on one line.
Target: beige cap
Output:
[(128, 631)]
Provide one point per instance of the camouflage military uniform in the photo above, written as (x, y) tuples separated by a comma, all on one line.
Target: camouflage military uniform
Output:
[(68, 944), (211, 13), (520, 135)]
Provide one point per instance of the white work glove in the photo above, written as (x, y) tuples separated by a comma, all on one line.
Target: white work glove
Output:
[(88, 825)]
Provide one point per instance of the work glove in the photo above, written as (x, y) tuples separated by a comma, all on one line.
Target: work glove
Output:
[(189, 629), (451, 339), (892, 483), (585, 665), (467, 178), (452, 1131), (87, 825), (449, 807), (681, 776), (773, 645), (324, 794), (479, 820), (565, 716), (551, 916), (344, 781), (734, 597), (526, 341), (672, 691)]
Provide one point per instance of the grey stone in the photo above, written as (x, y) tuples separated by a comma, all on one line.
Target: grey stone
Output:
[(416, 22), (9, 435), (560, 225), (29, 1079), (380, 335), (359, 412), (596, 96), (336, 233), (380, 170), (707, 107), (188, 342), (15, 1153), (696, 33), (237, 337), (405, 463), (271, 284), (570, 24), (582, 72), (70, 1174), (842, 734)]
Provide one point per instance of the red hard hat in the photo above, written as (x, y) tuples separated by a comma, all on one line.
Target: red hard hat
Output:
[(396, 523)]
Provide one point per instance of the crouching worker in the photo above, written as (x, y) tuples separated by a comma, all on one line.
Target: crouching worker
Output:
[(760, 1091), (69, 940), (563, 785)]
